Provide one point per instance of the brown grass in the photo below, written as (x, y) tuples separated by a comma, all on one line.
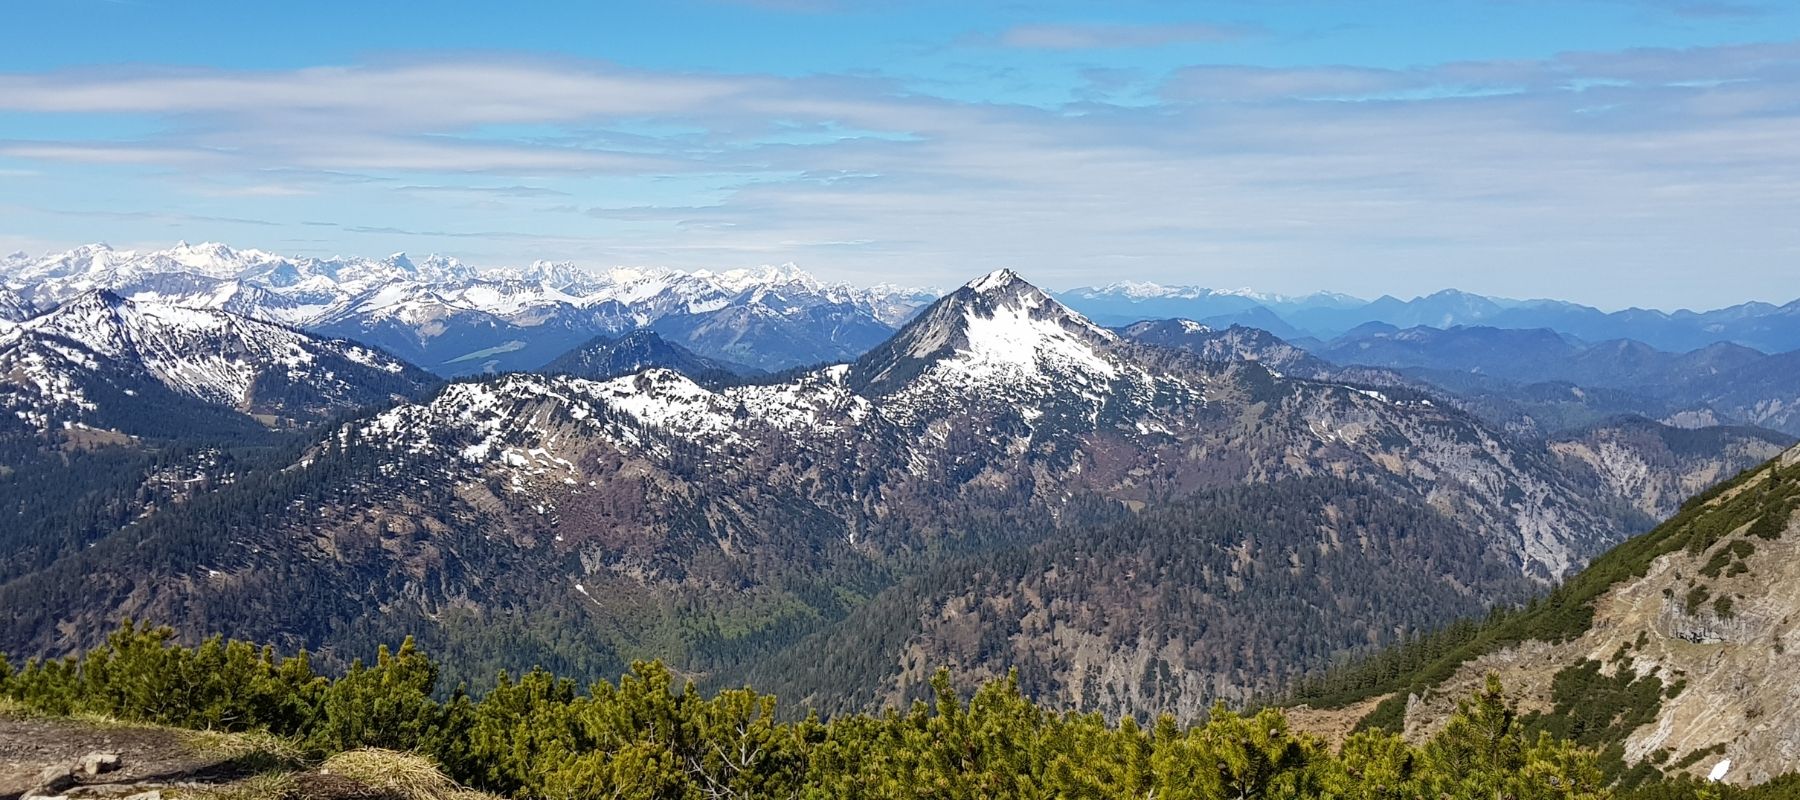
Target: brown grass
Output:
[(403, 774)]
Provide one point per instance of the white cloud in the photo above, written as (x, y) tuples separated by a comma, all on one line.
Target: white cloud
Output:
[(1583, 173)]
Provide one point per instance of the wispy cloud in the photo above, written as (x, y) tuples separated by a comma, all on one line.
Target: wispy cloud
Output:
[(153, 216), (494, 191), (1103, 36), (1528, 172), (1227, 82)]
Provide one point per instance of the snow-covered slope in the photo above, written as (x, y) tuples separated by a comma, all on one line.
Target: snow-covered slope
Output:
[(14, 308), (997, 388), (1001, 343), (456, 320), (997, 329), (53, 364)]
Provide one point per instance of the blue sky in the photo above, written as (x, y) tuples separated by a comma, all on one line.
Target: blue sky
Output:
[(1617, 152)]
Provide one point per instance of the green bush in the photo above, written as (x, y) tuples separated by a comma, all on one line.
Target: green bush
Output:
[(652, 735)]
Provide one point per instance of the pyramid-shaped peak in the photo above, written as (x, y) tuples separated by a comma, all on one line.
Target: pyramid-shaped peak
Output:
[(998, 323), (1003, 291), (997, 280)]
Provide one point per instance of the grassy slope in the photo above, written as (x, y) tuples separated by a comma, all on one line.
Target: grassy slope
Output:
[(1759, 497)]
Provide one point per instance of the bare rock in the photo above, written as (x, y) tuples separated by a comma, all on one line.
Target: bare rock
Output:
[(97, 763), (54, 779)]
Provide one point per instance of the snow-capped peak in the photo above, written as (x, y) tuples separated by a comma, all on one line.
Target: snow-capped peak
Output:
[(997, 327), (215, 259), (738, 280), (994, 281)]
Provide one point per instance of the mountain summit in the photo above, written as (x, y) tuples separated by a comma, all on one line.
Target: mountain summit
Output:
[(996, 328), (605, 357)]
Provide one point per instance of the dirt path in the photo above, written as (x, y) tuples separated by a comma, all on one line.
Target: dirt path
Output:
[(166, 764), (149, 757)]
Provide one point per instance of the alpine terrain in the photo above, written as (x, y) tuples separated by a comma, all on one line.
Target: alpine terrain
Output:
[(1669, 652), (1000, 470)]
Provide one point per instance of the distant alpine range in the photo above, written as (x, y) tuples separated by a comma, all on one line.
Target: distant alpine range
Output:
[(1534, 366), (454, 320)]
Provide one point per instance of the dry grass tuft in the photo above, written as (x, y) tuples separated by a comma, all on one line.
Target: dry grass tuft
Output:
[(254, 749), (270, 786), (14, 709), (404, 775)]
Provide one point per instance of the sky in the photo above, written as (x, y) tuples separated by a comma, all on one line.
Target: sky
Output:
[(1613, 152)]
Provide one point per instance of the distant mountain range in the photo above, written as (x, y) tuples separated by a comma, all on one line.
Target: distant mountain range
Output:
[(454, 320), (1546, 374), (1762, 326)]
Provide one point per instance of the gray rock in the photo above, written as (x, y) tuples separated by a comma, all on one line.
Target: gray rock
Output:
[(54, 779), (97, 763)]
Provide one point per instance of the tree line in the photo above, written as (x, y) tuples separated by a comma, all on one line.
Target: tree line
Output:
[(651, 735)]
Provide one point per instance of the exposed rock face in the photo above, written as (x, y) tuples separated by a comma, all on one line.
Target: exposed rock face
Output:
[(1717, 625), (1655, 467)]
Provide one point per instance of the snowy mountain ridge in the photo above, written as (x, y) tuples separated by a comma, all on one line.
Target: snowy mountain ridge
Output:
[(364, 281), (995, 388), (52, 362), (455, 319)]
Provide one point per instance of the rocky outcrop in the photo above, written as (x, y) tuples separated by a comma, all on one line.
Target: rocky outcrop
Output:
[(1715, 622)]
